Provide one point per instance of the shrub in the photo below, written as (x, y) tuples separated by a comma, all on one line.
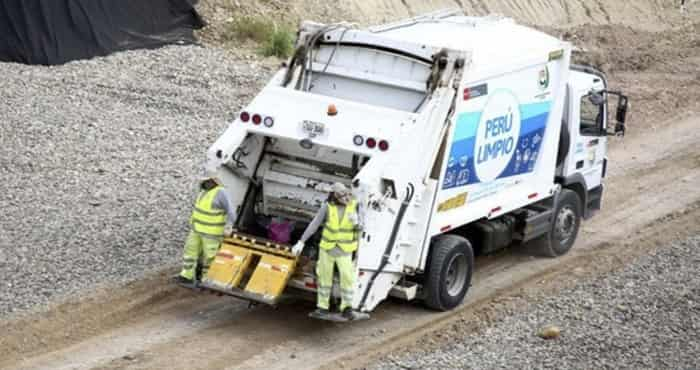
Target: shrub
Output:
[(274, 40), (280, 43), (250, 28)]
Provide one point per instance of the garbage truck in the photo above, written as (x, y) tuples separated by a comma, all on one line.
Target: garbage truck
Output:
[(458, 135)]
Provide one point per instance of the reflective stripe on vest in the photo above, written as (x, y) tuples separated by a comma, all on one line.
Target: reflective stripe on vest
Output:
[(205, 219), (340, 232)]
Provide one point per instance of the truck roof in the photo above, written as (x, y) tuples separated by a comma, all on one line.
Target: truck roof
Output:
[(485, 38)]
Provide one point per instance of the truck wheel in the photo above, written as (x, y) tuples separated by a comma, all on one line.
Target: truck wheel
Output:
[(449, 272), (565, 227)]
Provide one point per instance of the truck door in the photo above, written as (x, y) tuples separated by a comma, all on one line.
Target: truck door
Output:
[(590, 140)]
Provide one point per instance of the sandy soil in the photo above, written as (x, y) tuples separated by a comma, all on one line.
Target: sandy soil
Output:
[(642, 14), (659, 70)]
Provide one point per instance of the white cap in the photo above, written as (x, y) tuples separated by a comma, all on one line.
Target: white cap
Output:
[(340, 189), (210, 173)]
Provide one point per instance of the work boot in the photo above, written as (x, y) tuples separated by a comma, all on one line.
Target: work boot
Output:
[(352, 315), (349, 314), (320, 313), (185, 281)]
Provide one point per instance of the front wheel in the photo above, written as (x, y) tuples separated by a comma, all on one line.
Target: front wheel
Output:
[(565, 226), (449, 272)]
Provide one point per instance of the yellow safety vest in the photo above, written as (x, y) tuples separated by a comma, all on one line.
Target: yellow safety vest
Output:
[(340, 232), (206, 219)]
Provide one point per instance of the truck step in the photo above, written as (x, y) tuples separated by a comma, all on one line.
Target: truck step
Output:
[(406, 291)]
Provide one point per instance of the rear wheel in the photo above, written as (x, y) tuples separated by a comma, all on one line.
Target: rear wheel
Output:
[(449, 272), (565, 226)]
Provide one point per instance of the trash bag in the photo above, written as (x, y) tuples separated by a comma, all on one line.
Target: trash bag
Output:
[(280, 230)]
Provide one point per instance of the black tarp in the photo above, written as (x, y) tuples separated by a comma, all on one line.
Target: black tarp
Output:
[(57, 31)]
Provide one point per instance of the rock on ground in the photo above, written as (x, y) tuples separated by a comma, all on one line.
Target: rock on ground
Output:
[(99, 160), (646, 316)]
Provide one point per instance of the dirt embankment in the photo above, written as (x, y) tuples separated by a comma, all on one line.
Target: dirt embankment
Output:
[(660, 71), (641, 14)]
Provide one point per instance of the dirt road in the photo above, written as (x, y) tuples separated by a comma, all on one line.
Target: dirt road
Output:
[(654, 176)]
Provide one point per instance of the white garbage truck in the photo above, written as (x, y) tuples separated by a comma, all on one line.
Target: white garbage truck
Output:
[(458, 136)]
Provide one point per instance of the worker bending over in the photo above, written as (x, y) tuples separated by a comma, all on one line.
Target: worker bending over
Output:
[(338, 242), (211, 219)]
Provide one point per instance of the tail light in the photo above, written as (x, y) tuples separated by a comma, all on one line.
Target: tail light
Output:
[(358, 140), (383, 145), (371, 143), (257, 119)]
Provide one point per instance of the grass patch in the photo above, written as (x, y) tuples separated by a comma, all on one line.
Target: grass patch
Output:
[(280, 43), (274, 40), (250, 28)]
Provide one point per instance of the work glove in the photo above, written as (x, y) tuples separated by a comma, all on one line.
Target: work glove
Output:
[(298, 248), (228, 231)]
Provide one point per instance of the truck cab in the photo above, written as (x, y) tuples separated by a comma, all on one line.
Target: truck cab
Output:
[(585, 132)]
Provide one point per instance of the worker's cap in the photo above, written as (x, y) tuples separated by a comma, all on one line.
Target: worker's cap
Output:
[(340, 189), (210, 173)]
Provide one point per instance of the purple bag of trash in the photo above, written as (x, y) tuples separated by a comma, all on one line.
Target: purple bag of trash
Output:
[(280, 231)]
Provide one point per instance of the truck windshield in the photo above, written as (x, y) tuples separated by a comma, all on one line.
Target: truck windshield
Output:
[(366, 75)]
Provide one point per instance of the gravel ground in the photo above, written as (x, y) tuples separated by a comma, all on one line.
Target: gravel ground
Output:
[(646, 316), (99, 159)]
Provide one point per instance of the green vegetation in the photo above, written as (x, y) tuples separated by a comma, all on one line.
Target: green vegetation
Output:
[(274, 40), (250, 28), (280, 44)]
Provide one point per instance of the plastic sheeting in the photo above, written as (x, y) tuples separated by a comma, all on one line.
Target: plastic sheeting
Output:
[(57, 31)]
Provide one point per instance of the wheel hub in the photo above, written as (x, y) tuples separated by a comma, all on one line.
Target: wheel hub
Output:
[(456, 275), (565, 224)]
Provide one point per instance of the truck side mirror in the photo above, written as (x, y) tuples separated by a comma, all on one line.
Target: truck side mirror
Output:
[(622, 106), (620, 129), (621, 113)]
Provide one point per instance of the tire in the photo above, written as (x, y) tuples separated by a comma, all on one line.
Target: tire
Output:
[(449, 272), (565, 227)]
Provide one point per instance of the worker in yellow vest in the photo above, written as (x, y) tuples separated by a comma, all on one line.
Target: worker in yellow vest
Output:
[(339, 240), (211, 219)]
